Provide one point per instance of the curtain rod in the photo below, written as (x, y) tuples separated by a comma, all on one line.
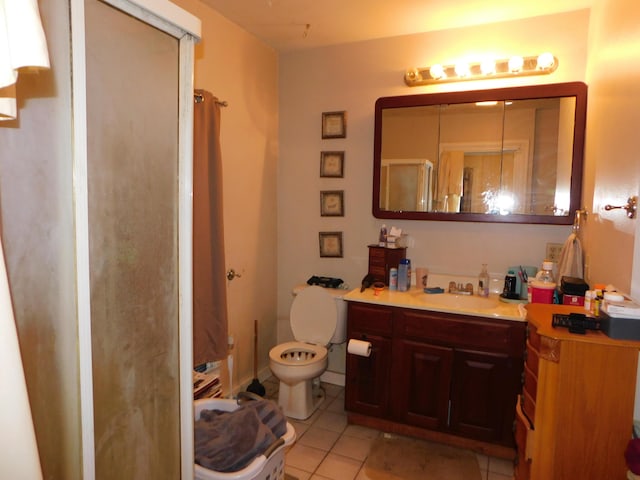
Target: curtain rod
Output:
[(199, 98)]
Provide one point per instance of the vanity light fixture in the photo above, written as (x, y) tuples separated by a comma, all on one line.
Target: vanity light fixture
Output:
[(515, 66)]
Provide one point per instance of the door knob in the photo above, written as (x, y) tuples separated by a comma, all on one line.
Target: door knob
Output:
[(231, 274)]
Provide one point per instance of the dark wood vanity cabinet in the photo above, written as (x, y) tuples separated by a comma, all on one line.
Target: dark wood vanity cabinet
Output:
[(369, 378), (454, 374)]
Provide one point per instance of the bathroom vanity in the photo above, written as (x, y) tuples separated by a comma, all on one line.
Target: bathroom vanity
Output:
[(444, 367)]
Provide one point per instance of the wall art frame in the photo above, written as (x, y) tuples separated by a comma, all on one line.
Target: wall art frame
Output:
[(332, 203), (330, 244), (334, 124), (332, 164)]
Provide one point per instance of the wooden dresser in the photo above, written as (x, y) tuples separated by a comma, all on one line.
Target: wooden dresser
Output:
[(575, 415), (381, 259)]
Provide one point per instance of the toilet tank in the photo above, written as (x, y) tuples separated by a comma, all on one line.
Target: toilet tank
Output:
[(340, 334)]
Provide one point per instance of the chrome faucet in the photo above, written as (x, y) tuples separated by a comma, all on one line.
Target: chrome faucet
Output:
[(459, 289)]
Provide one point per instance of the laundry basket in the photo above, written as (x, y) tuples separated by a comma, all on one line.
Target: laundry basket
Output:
[(268, 466)]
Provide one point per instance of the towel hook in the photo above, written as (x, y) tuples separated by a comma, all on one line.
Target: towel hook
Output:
[(630, 207), (578, 219)]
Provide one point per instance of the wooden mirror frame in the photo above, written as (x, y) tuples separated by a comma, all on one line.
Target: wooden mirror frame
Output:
[(571, 89)]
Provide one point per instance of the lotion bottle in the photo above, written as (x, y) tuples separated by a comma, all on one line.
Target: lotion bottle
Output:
[(483, 282)]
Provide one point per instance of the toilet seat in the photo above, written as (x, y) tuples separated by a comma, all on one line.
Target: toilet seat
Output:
[(299, 354), (314, 316)]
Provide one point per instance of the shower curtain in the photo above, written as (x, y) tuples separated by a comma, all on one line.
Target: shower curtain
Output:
[(210, 328)]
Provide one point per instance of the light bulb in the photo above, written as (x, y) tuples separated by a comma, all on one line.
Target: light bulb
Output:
[(545, 61), (462, 69), (488, 66), (436, 71), (515, 64)]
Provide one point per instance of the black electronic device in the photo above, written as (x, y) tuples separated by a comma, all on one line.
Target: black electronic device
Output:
[(326, 282), (575, 322)]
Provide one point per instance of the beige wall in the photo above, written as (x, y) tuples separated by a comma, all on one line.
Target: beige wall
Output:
[(240, 69), (612, 167), (351, 77)]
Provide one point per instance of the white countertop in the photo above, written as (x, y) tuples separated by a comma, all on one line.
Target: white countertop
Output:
[(415, 298)]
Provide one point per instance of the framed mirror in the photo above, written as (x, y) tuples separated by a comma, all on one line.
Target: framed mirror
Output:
[(505, 155)]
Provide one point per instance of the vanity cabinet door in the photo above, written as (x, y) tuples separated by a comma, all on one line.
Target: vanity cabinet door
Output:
[(422, 383), (484, 391), (368, 378)]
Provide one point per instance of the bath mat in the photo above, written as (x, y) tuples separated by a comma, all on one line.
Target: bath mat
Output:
[(396, 457)]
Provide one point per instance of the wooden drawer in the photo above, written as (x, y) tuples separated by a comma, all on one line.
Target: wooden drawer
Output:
[(529, 407), (524, 442), (533, 358), (533, 337), (372, 319), (499, 336), (530, 383)]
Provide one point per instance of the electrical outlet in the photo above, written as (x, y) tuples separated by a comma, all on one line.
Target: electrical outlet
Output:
[(553, 252)]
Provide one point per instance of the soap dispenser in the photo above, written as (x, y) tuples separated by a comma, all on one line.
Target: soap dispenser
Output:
[(483, 281)]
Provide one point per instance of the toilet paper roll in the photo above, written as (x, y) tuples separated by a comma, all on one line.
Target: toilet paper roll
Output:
[(360, 348)]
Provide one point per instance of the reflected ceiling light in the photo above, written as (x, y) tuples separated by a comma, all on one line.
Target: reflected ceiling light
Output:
[(542, 64)]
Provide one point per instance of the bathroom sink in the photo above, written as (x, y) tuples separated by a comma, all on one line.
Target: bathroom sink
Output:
[(462, 302)]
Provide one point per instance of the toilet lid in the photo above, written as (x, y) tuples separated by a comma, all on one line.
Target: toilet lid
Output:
[(314, 316)]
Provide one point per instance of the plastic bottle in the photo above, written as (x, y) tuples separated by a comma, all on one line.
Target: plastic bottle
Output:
[(544, 285), (509, 290), (393, 279), (483, 282), (403, 270), (546, 274), (382, 239), (408, 274)]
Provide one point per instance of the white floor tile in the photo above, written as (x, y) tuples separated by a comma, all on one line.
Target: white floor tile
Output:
[(353, 447), (335, 422), (304, 458), (337, 467), (319, 438)]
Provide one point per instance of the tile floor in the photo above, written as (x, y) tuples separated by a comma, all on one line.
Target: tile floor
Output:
[(327, 448)]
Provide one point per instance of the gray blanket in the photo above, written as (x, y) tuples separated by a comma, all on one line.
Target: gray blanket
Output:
[(229, 441)]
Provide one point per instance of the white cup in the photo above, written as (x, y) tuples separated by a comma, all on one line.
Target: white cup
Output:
[(422, 274)]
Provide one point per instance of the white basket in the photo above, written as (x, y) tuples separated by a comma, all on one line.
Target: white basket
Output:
[(261, 468)]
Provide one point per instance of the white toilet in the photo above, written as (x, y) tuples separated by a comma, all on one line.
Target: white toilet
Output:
[(318, 318)]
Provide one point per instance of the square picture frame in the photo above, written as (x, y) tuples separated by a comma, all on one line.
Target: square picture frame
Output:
[(330, 244), (334, 124), (332, 164), (332, 203)]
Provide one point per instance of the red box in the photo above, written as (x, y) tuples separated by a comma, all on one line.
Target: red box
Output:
[(572, 300)]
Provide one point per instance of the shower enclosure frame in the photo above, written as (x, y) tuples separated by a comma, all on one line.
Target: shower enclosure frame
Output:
[(183, 26)]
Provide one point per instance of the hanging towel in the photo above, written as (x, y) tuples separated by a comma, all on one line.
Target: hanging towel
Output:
[(570, 264), (22, 44), (450, 175)]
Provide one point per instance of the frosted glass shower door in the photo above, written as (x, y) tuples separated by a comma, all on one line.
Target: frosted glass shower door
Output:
[(132, 169)]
